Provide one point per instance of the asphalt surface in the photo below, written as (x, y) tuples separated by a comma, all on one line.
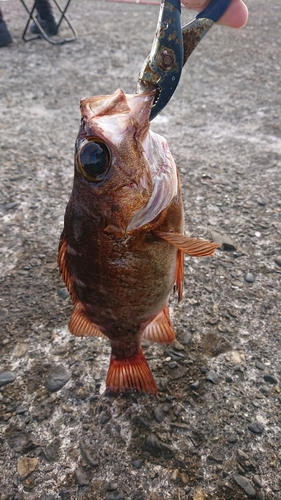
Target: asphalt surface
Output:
[(213, 432)]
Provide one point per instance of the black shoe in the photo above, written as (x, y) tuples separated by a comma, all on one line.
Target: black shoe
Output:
[(49, 25), (5, 37)]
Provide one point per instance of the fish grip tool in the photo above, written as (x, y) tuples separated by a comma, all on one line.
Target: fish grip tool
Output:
[(161, 70), (172, 46)]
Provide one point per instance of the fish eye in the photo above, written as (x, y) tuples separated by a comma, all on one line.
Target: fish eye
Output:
[(94, 160)]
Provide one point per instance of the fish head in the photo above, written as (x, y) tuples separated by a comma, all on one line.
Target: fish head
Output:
[(119, 162)]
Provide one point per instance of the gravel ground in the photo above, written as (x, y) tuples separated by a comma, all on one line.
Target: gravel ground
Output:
[(213, 432)]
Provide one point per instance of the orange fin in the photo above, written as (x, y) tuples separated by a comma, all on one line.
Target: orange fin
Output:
[(190, 246), (80, 325), (160, 329), (179, 274), (63, 266), (129, 374)]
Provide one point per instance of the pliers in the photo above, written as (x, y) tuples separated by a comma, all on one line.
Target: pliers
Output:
[(172, 46)]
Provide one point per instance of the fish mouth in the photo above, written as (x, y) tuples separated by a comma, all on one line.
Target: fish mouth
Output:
[(113, 116), (164, 180)]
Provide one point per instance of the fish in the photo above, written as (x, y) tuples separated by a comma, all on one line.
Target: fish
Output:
[(121, 251)]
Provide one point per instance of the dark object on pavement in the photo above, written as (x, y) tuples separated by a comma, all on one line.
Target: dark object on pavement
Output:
[(49, 25), (5, 37)]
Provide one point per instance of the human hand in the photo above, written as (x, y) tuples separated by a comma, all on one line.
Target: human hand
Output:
[(235, 16)]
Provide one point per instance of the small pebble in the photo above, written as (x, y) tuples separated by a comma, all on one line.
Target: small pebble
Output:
[(256, 427), (260, 495), (195, 385), (259, 365), (173, 365), (63, 293), (277, 260), (231, 439), (257, 481), (51, 452), (270, 379), (245, 484), (114, 496), (215, 457), (156, 448), (178, 372), (105, 417), (26, 465), (6, 378), (111, 486), (4, 313), (81, 477), (264, 390), (212, 377), (138, 495), (226, 243), (244, 461), (161, 411), (89, 454), (57, 378), (162, 384), (20, 410), (65, 494), (261, 201), (137, 463), (186, 338), (249, 277)]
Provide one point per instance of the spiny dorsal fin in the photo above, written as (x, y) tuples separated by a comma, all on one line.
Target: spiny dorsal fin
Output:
[(190, 246)]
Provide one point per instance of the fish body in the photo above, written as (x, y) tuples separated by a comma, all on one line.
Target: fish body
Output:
[(121, 249)]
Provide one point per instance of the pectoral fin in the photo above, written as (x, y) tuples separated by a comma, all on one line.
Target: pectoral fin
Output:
[(190, 246)]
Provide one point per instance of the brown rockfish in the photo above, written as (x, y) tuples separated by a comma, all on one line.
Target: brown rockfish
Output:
[(121, 250)]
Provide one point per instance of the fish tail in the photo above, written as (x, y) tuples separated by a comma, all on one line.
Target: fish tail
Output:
[(129, 374)]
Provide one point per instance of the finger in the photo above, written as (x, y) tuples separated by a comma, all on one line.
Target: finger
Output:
[(235, 16), (195, 4)]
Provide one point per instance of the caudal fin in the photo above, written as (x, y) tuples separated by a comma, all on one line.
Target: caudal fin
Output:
[(129, 374)]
